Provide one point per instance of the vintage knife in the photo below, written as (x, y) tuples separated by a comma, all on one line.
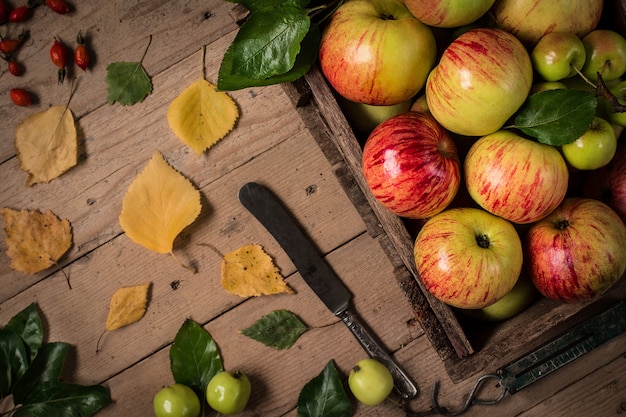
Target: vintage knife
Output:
[(318, 275)]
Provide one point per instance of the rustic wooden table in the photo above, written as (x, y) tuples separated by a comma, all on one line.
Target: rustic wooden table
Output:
[(271, 144)]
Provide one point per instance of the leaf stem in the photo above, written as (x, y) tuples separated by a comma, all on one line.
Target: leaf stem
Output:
[(146, 50)]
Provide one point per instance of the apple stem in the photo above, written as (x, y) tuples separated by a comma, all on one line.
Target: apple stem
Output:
[(562, 224), (483, 241), (584, 77)]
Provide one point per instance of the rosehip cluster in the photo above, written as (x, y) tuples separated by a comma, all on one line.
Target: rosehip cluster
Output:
[(59, 55)]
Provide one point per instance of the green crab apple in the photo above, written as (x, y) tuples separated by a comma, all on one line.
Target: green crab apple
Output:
[(376, 52), (557, 54), (514, 302), (365, 117), (606, 54), (577, 252), (467, 257), (481, 80), (228, 392), (514, 177), (594, 149), (370, 381), (176, 400), (529, 20), (448, 13)]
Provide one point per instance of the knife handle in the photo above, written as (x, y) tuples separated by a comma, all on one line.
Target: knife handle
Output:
[(402, 383)]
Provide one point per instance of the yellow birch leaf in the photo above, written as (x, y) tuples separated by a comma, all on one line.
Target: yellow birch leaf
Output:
[(47, 144), (159, 204), (35, 240), (250, 272), (200, 116), (128, 305)]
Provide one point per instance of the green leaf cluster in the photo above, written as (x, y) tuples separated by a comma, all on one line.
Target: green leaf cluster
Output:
[(194, 358), (277, 43), (324, 395), (30, 370), (279, 329), (556, 117)]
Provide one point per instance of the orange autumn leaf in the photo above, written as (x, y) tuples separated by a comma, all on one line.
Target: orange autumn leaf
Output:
[(250, 272), (200, 116), (127, 305), (159, 204), (47, 144), (35, 240)]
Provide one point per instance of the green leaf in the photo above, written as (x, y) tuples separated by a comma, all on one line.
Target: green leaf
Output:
[(194, 357), (227, 81), (46, 367), (14, 360), (127, 83), (268, 42), (60, 399), (279, 329), (257, 5), (556, 117), (27, 325), (324, 395)]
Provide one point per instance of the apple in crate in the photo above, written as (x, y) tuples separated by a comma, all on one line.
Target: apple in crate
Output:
[(608, 183), (515, 178), (557, 55), (467, 257), (578, 252), (376, 52), (482, 79), (448, 13), (529, 20), (606, 54), (411, 165)]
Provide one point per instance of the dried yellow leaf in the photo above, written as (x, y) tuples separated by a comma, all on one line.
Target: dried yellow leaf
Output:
[(200, 116), (35, 240), (159, 204), (250, 272), (128, 305), (47, 144)]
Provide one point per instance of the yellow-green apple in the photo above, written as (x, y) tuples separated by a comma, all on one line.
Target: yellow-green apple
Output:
[(606, 54), (420, 105), (529, 20), (547, 85), (365, 117), (481, 80), (376, 52), (448, 13), (593, 149), (619, 91), (557, 55), (514, 302), (516, 178), (608, 183), (411, 165), (576, 253), (467, 257)]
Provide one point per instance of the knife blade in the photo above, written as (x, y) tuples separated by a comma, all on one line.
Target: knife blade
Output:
[(320, 277)]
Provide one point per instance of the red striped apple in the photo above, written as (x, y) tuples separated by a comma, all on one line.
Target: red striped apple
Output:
[(578, 252), (482, 79), (515, 178), (529, 20), (376, 52), (411, 165), (448, 13), (468, 258)]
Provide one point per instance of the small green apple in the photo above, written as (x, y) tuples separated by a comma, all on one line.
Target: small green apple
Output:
[(606, 54), (556, 54), (547, 85), (594, 149), (176, 400), (370, 381), (365, 117), (618, 118), (228, 392), (513, 303)]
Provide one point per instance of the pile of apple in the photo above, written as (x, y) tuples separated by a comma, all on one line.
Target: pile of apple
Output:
[(499, 215)]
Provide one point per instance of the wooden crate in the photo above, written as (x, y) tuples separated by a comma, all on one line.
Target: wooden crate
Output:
[(466, 347)]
